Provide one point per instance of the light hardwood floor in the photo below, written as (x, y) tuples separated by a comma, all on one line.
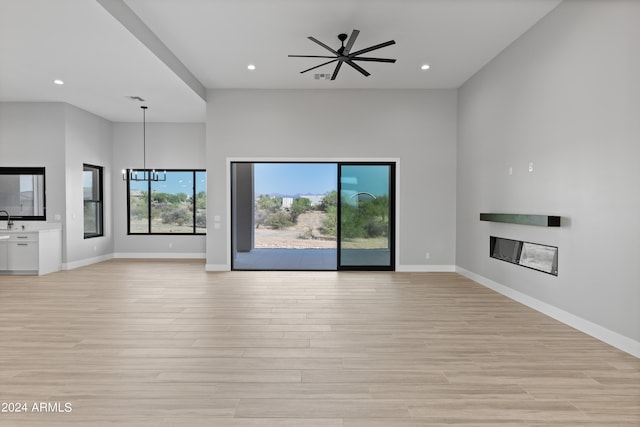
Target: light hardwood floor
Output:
[(164, 343)]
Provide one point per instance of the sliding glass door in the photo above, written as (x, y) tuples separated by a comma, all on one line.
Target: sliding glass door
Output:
[(312, 216), (366, 216)]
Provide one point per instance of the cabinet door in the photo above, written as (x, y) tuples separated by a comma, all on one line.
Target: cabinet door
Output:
[(23, 256), (4, 249)]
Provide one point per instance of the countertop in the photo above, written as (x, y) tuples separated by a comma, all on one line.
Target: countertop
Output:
[(32, 228)]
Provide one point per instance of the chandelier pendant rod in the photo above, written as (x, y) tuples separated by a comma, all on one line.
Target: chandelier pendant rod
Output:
[(144, 139), (146, 175)]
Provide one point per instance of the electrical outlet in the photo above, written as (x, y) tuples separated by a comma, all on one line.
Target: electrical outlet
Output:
[(427, 255), (530, 166)]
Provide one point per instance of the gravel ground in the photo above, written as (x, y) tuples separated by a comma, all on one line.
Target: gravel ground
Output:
[(297, 236)]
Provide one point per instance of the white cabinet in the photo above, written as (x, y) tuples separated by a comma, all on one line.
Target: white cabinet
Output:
[(49, 251), (4, 245), (23, 252), (31, 252)]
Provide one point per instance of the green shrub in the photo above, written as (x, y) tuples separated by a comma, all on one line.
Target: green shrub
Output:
[(299, 206), (201, 219), (366, 220), (177, 216), (201, 200), (269, 204), (139, 207), (279, 220), (329, 199), (329, 223)]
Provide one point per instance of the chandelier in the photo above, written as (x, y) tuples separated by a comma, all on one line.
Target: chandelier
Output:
[(144, 174)]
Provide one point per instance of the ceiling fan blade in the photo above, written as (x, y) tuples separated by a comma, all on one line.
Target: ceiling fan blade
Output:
[(309, 56), (351, 41), (313, 39), (335, 72), (369, 49), (359, 58), (318, 66), (357, 67)]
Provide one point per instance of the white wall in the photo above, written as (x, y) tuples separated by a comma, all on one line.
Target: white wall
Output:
[(88, 139), (170, 146), (565, 96), (33, 134), (61, 138), (418, 127)]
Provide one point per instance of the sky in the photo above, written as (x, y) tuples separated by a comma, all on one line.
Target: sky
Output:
[(295, 178), (373, 179), (287, 179)]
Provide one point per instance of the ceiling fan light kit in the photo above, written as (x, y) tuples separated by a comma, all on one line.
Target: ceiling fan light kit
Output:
[(344, 55)]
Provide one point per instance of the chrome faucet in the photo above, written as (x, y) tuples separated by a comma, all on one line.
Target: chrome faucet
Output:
[(9, 222)]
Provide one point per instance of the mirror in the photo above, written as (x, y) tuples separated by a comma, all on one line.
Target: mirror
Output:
[(22, 193)]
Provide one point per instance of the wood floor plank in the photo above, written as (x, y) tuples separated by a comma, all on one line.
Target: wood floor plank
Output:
[(164, 343), (321, 408)]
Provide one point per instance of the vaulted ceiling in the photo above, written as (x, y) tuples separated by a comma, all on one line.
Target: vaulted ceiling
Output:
[(169, 51)]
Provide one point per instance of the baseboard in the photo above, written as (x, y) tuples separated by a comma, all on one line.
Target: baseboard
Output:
[(160, 255), (605, 335), (426, 268), (85, 262), (217, 267)]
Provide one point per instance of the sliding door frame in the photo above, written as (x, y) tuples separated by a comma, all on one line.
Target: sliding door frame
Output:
[(391, 238), (395, 186)]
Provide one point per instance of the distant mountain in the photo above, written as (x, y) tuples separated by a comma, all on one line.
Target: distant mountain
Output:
[(294, 196), (315, 199)]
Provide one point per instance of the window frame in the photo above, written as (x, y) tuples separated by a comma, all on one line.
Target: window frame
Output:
[(29, 171), (150, 231), (99, 202)]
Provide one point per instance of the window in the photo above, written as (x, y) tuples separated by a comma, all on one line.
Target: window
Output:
[(177, 205), (22, 193), (92, 194)]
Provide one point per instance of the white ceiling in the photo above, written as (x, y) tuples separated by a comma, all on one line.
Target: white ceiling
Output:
[(102, 62)]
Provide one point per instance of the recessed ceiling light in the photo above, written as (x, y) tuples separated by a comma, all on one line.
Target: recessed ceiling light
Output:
[(58, 82), (425, 67), (251, 67)]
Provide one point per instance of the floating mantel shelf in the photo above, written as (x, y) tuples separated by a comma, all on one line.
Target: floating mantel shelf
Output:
[(540, 220)]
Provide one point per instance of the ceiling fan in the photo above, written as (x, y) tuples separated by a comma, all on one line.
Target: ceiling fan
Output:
[(344, 55)]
